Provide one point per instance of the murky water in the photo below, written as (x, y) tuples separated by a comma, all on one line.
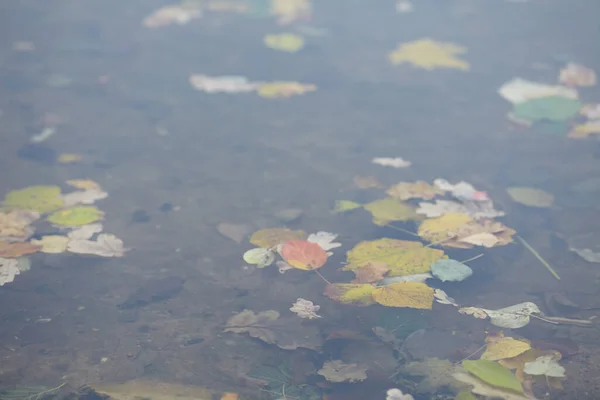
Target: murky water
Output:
[(178, 162)]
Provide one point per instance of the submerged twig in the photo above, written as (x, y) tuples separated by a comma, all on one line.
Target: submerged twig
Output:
[(539, 257)]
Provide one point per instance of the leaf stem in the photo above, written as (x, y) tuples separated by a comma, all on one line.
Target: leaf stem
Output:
[(322, 277), (401, 230), (539, 257), (472, 258)]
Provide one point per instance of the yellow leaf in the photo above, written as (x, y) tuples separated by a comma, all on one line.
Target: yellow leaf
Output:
[(230, 396), (505, 348), (429, 54), (84, 184), (287, 42), (52, 244), (76, 216), (530, 196), (389, 209), (384, 251), (416, 260), (273, 90), (351, 293), (288, 11), (345, 205), (405, 294), (42, 199), (441, 228), (271, 237), (67, 158), (412, 190)]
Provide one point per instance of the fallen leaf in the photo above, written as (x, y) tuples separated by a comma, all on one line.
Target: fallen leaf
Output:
[(512, 317), (151, 389), (413, 190), (235, 232), (305, 309), (288, 42), (303, 254), (84, 184), (76, 216), (577, 75), (288, 11), (485, 239), (499, 348), (405, 294), (106, 245), (85, 232), (545, 365), (286, 333), (555, 108), (325, 240), (493, 374), (582, 131), (531, 197), (405, 278), (271, 90), (222, 84), (18, 249), (396, 394), (89, 196), (590, 111), (461, 190), (484, 389), (283, 266), (518, 362), (69, 158), (474, 311), (271, 237), (474, 209), (8, 270), (179, 14), (437, 230), (42, 199), (230, 396), (371, 273), (345, 205), (367, 182), (389, 209), (14, 225), (450, 270), (443, 298), (52, 244), (259, 256), (397, 162), (351, 293), (429, 54), (437, 374), (521, 90), (477, 233), (337, 371)]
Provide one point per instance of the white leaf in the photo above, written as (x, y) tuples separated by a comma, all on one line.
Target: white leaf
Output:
[(89, 196), (396, 162), (106, 245), (512, 317), (222, 84), (9, 268), (443, 298), (545, 365), (325, 240), (521, 90), (484, 239), (283, 266), (305, 309), (396, 394), (85, 232)]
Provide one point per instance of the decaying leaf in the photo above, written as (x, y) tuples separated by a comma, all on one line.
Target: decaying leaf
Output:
[(271, 237), (52, 244), (278, 89), (405, 278), (461, 190), (414, 190), (429, 54), (18, 249), (577, 75), (405, 294), (325, 240), (345, 205), (106, 245), (177, 14), (512, 317), (287, 42), (474, 209), (395, 162), (443, 298), (402, 257), (545, 365), (235, 232), (283, 266), (531, 197), (484, 389), (442, 228), (8, 270), (259, 256), (493, 374), (305, 309), (389, 209), (222, 84), (286, 333), (351, 293), (396, 394), (76, 216), (371, 273), (437, 374), (338, 371), (554, 109), (85, 231), (517, 363), (499, 347), (460, 231), (41, 199), (367, 182), (89, 196), (303, 254), (521, 90), (14, 225)]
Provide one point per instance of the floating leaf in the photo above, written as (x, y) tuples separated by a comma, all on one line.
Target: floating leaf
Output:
[(106, 245), (395, 162), (583, 131), (499, 347), (85, 232), (545, 365), (442, 228), (286, 333), (303, 254), (76, 216), (259, 256), (437, 374), (272, 237), (484, 389), (443, 298), (474, 209), (84, 184), (555, 108), (351, 293), (8, 270), (530, 196), (345, 205), (493, 373), (42, 199), (273, 90), (89, 196), (168, 15), (405, 294), (413, 190), (288, 11), (14, 225), (405, 278), (287, 42), (305, 309), (429, 54), (222, 84), (402, 257), (577, 75), (450, 270), (480, 233), (518, 362), (389, 209), (14, 250), (325, 240), (512, 317), (371, 273), (521, 90), (52, 244), (338, 371)]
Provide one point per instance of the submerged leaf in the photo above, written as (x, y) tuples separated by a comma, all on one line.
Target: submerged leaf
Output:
[(271, 237), (450, 270), (429, 54), (414, 190), (545, 365), (338, 371), (106, 245), (482, 388), (530, 196), (405, 294), (389, 209), (493, 374), (305, 309), (437, 374), (303, 254), (84, 184)]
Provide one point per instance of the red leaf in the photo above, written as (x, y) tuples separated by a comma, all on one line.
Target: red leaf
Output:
[(303, 254)]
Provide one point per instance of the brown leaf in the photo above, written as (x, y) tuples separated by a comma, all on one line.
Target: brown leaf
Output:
[(372, 272), (14, 250)]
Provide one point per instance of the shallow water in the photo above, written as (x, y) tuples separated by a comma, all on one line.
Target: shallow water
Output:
[(178, 162)]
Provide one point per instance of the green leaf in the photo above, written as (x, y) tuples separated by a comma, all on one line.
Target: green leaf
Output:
[(465, 394), (345, 205), (493, 373), (553, 108)]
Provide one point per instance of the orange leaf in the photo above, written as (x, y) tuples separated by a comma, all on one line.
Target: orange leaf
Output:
[(230, 396), (14, 250), (303, 254)]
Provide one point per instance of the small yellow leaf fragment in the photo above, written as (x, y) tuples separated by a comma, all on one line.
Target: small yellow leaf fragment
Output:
[(405, 294), (429, 54), (272, 90), (441, 228), (345, 205), (69, 158), (287, 42), (52, 244), (83, 184), (272, 237)]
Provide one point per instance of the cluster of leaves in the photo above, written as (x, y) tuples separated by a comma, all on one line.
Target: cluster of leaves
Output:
[(558, 106), (70, 212)]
